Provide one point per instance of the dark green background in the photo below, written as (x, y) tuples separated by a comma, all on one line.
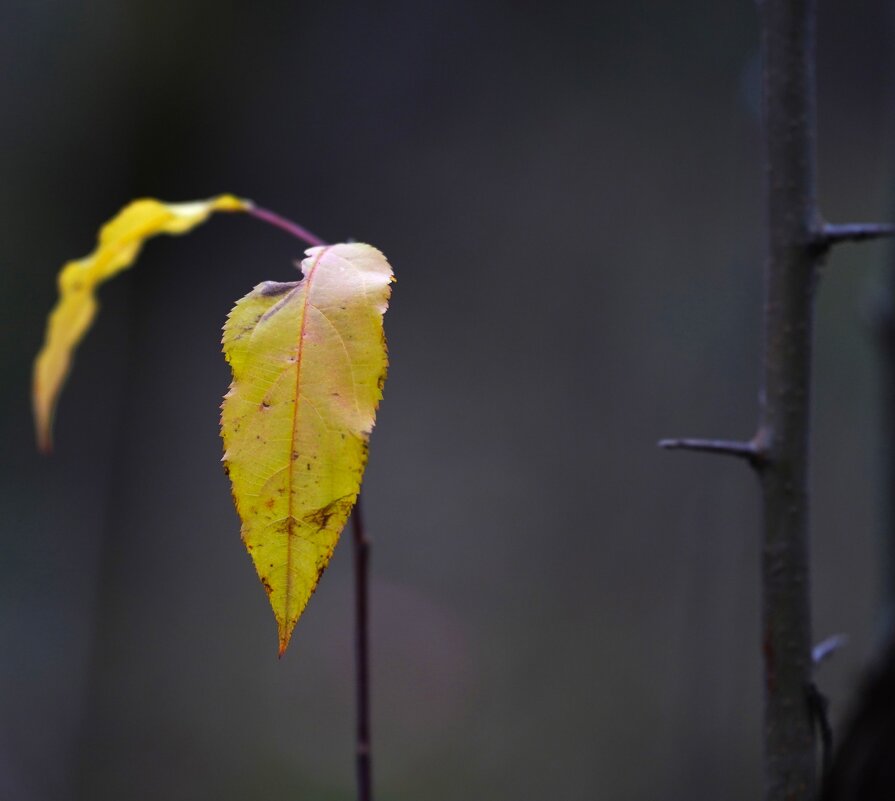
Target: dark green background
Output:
[(570, 195)]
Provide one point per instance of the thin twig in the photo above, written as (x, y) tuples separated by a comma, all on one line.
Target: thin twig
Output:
[(298, 231), (362, 654), (834, 233), (743, 450)]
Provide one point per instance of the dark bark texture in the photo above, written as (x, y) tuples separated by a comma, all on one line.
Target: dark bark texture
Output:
[(364, 760), (792, 269)]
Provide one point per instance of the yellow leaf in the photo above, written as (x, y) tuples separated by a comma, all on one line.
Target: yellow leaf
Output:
[(119, 243), (309, 361)]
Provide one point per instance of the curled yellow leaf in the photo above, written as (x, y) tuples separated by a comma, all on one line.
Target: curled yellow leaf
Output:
[(118, 245), (309, 361)]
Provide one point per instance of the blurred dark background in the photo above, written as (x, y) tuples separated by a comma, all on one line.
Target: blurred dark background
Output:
[(570, 195)]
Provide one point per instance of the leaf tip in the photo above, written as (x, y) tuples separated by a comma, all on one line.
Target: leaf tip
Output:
[(284, 634), (43, 426)]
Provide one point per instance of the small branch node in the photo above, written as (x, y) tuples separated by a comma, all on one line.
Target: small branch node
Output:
[(827, 648)]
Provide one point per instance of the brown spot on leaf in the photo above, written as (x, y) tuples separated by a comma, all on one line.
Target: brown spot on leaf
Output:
[(338, 507)]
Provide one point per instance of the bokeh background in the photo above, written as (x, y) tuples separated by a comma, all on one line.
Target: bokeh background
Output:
[(570, 194)]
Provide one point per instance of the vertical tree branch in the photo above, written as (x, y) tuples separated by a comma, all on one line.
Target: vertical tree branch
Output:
[(885, 324), (788, 80), (884, 328), (797, 241), (362, 654)]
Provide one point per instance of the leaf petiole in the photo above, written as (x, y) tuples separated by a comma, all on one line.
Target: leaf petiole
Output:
[(293, 228)]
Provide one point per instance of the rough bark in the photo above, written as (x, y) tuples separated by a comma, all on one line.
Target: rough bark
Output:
[(793, 257)]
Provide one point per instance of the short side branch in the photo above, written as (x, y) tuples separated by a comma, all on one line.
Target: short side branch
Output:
[(831, 234), (749, 451)]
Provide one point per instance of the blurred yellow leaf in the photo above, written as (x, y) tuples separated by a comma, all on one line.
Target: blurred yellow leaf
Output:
[(309, 361), (120, 241)]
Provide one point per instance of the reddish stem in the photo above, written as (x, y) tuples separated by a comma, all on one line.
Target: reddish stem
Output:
[(286, 225)]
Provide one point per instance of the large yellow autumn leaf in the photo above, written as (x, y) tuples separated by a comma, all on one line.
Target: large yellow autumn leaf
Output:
[(309, 361), (119, 244)]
